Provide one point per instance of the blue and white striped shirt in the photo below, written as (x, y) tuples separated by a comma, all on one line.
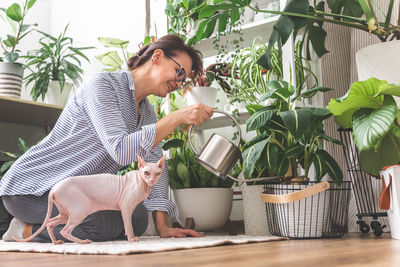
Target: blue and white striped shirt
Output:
[(97, 132)]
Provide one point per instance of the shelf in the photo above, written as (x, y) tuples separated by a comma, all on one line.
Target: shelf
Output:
[(261, 28), (220, 120), (15, 110)]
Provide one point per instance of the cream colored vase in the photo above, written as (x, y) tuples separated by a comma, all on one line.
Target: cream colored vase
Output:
[(254, 211), (381, 61), (57, 97), (209, 207)]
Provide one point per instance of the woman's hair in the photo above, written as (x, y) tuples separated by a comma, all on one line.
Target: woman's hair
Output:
[(171, 45)]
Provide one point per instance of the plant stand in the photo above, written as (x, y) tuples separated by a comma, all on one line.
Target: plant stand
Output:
[(366, 189)]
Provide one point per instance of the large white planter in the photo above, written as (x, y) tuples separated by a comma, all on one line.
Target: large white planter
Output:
[(205, 95), (394, 192), (209, 207), (254, 211), (381, 61), (55, 96), (11, 75)]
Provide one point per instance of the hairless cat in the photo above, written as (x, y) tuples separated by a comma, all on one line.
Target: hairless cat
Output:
[(77, 197)]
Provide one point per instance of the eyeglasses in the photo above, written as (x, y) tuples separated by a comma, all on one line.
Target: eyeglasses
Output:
[(180, 74)]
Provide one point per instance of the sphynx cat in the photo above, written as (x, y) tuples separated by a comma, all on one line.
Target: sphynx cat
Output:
[(77, 197)]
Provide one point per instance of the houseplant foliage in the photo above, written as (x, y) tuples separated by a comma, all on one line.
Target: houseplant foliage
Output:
[(14, 16), (112, 59), (56, 60), (22, 146), (369, 108), (184, 171), (288, 136), (301, 15)]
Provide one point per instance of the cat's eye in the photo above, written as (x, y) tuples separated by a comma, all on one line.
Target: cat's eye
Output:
[(146, 173)]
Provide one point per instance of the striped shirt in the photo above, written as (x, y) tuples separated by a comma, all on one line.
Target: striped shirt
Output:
[(97, 132)]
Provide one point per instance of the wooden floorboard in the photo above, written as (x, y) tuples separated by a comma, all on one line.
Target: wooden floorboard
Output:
[(352, 250)]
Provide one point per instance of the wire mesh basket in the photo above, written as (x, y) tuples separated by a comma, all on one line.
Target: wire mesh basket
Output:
[(312, 210), (366, 188)]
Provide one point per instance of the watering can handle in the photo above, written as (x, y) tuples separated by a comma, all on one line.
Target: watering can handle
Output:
[(216, 111)]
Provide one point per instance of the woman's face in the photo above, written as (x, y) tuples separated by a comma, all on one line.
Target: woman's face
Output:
[(170, 71)]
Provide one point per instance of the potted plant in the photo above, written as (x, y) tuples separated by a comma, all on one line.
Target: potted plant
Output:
[(289, 138), (11, 72), (55, 67), (197, 193), (370, 109)]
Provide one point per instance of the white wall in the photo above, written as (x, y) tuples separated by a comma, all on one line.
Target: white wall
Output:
[(90, 19)]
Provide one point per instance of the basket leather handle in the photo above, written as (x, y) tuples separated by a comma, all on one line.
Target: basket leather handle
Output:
[(301, 194)]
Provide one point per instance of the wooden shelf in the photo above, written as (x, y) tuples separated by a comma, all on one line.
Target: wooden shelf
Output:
[(15, 110), (220, 120), (262, 28)]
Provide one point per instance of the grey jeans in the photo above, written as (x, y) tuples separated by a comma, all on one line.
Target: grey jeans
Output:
[(104, 225)]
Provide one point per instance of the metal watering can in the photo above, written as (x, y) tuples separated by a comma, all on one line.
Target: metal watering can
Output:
[(219, 155)]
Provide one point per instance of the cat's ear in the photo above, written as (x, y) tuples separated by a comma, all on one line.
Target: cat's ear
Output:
[(141, 161), (160, 163)]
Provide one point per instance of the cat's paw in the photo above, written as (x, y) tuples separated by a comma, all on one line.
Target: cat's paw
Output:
[(134, 239)]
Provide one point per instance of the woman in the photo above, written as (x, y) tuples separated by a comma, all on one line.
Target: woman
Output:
[(102, 128)]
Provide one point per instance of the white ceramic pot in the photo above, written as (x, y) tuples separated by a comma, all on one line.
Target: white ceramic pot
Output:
[(11, 75), (381, 61), (55, 96), (205, 95), (209, 207), (254, 211)]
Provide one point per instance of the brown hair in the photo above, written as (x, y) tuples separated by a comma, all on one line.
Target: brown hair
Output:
[(171, 45)]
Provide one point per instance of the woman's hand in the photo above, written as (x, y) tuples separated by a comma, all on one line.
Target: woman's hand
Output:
[(167, 232), (195, 114)]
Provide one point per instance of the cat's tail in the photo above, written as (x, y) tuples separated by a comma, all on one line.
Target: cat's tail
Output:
[(49, 209)]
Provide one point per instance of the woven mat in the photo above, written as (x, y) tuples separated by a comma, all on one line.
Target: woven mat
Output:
[(146, 244)]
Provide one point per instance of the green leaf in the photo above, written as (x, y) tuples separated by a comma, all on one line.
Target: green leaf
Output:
[(222, 22), (11, 57), (260, 118), (207, 11), (313, 91), (183, 174), (31, 3), (370, 125), (253, 108), (110, 59), (293, 150), (14, 12), (272, 157), (297, 120), (171, 143), (363, 94), (385, 154), (210, 28), (6, 166), (255, 140), (22, 145), (319, 165), (113, 42), (251, 155), (331, 166)]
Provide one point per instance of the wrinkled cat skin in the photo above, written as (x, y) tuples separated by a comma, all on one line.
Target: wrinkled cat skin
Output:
[(77, 197)]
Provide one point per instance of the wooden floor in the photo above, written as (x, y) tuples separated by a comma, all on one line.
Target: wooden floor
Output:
[(352, 250)]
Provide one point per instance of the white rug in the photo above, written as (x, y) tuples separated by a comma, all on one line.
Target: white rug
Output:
[(146, 244)]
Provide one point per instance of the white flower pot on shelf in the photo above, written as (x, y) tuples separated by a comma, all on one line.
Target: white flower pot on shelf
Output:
[(205, 95), (209, 207), (11, 75), (57, 97), (393, 173)]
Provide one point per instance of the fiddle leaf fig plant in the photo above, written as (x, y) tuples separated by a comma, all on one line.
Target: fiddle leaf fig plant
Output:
[(14, 16), (369, 108)]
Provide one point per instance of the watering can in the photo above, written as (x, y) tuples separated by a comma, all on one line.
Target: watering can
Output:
[(219, 155)]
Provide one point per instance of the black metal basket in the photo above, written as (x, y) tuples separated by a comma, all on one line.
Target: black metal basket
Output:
[(321, 214), (366, 188)]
